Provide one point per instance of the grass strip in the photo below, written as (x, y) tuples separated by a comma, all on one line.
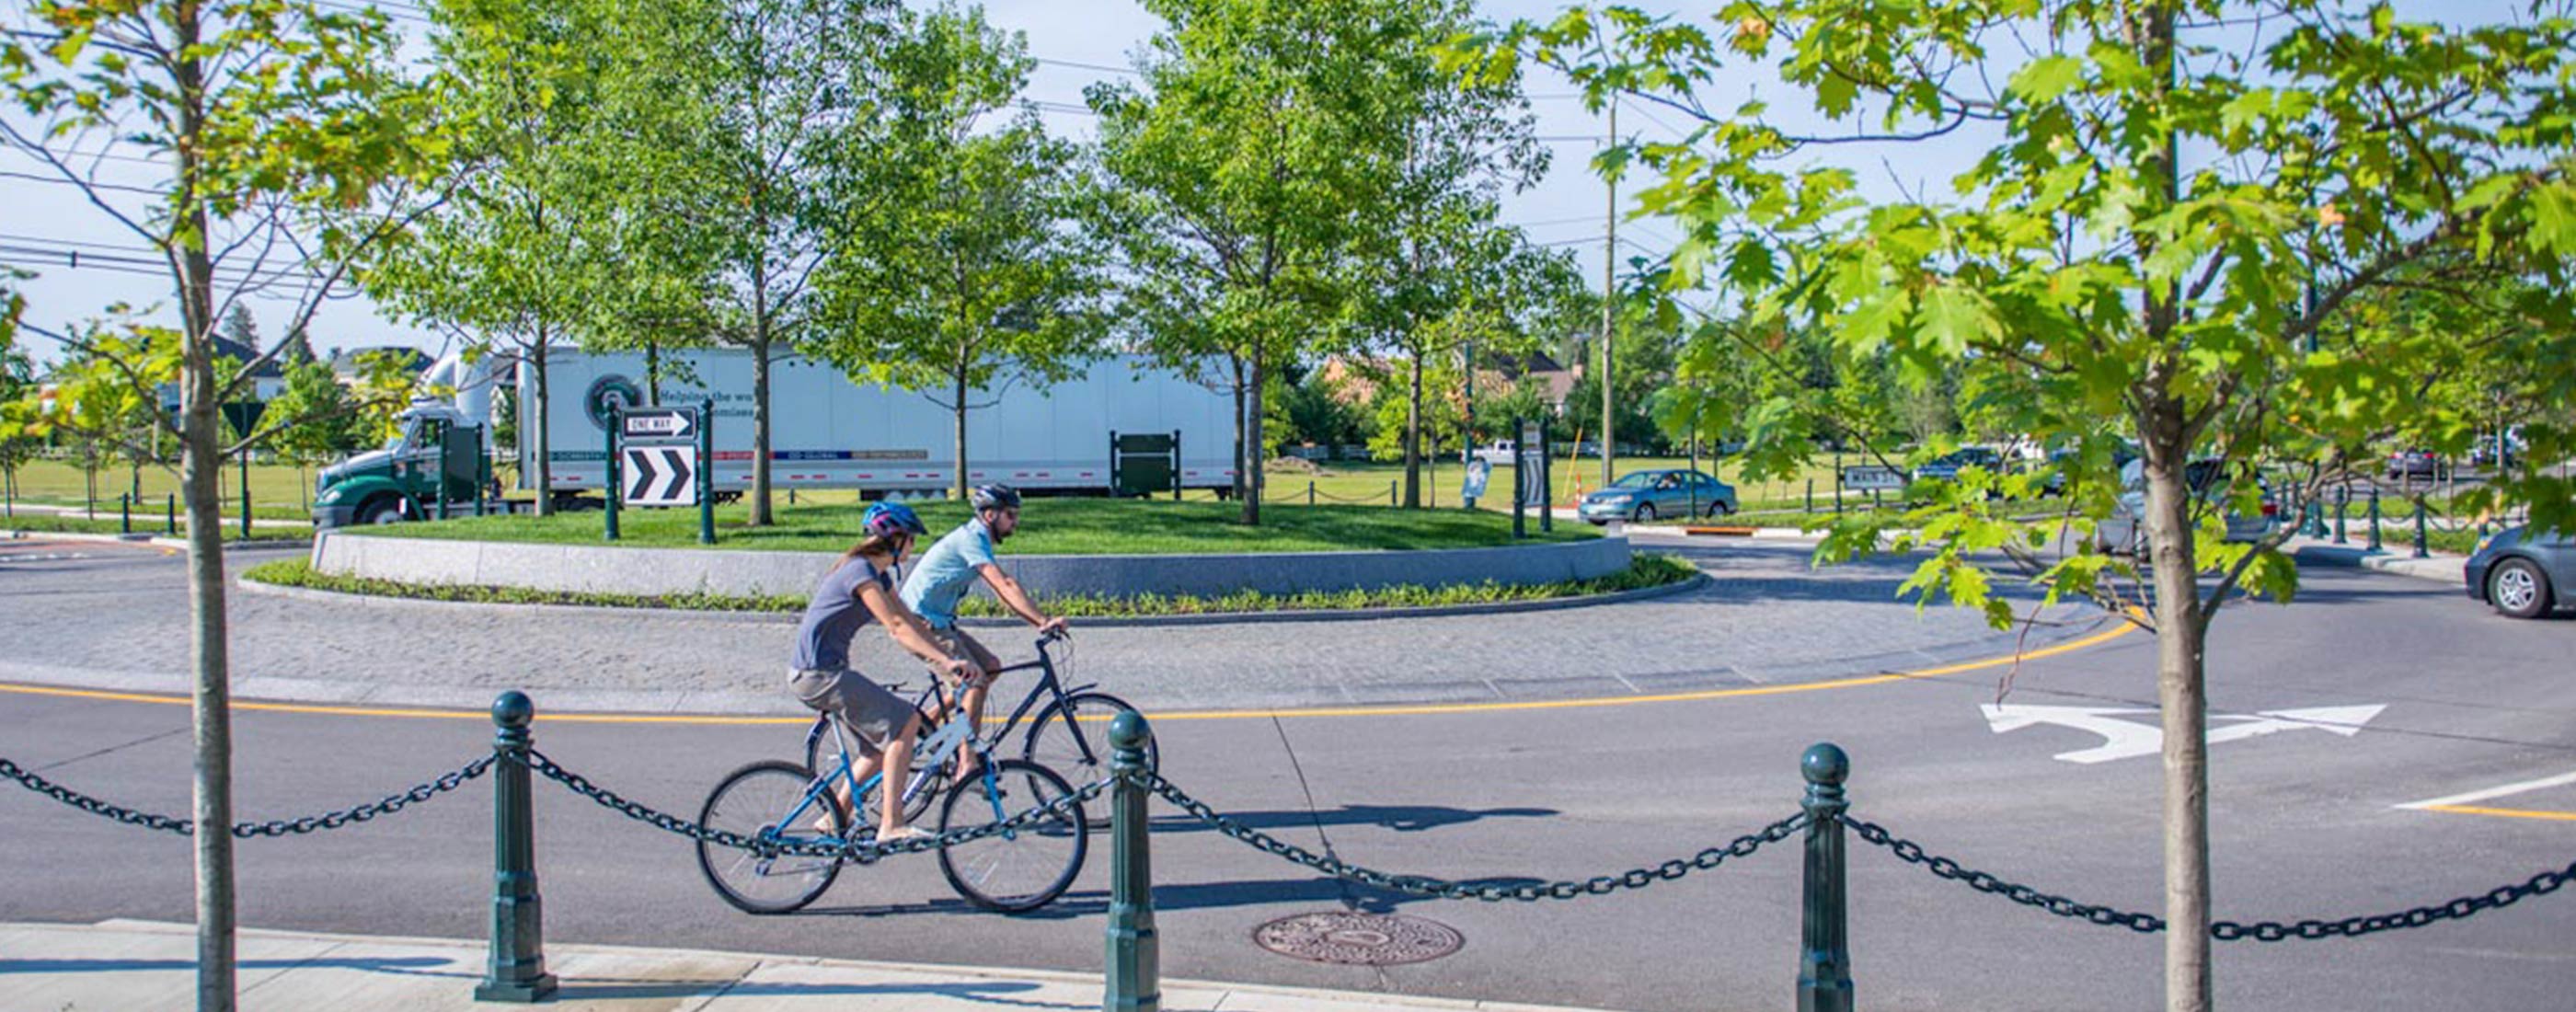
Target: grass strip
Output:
[(1645, 570), (53, 523)]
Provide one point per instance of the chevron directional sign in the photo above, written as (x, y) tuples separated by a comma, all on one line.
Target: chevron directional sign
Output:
[(661, 476)]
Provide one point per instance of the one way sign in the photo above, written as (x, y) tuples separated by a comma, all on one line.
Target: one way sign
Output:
[(661, 476)]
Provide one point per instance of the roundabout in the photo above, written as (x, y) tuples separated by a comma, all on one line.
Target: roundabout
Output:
[(1575, 776)]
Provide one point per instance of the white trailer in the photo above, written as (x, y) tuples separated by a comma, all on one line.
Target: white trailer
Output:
[(829, 432)]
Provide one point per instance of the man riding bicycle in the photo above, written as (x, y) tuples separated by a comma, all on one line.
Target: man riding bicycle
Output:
[(949, 570)]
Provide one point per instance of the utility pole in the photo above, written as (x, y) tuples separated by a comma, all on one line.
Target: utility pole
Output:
[(1609, 294)]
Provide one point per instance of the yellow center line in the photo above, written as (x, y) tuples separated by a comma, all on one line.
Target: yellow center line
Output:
[(425, 713), (2504, 813)]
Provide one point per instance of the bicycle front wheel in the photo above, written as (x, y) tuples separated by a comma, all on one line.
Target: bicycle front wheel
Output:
[(766, 801), (1017, 869), (1072, 735)]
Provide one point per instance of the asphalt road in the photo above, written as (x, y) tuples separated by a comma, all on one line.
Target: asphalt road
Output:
[(2307, 824)]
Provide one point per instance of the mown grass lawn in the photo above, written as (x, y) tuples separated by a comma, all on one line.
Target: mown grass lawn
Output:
[(1069, 526)]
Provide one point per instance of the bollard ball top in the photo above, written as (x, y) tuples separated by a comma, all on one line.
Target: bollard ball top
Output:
[(1128, 730), (1825, 763), (513, 709)]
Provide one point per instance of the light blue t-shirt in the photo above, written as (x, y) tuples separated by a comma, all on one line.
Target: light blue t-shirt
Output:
[(947, 571)]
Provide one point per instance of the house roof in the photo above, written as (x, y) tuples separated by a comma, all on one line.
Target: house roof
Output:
[(239, 352)]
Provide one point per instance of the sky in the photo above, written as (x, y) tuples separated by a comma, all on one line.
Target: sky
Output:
[(1076, 44)]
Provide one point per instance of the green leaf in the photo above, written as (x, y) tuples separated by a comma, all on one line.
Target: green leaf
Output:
[(2046, 78), (1955, 317)]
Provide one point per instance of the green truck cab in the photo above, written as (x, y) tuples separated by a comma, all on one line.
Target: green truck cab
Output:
[(439, 460)]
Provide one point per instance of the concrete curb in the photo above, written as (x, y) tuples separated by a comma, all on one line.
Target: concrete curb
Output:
[(2441, 567), (648, 570), (1696, 582), (311, 982), (154, 540)]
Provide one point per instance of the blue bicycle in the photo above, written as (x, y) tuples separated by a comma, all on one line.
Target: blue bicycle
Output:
[(1015, 870)]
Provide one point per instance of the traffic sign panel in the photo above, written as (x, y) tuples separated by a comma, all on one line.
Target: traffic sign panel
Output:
[(660, 423), (661, 476)]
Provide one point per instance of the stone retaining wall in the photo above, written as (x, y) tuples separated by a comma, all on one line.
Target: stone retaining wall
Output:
[(659, 571)]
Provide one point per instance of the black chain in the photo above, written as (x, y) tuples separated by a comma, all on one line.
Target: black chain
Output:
[(2226, 931), (1491, 892), (246, 830), (861, 852)]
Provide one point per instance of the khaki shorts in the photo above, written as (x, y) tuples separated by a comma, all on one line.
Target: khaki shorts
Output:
[(873, 715), (958, 645)]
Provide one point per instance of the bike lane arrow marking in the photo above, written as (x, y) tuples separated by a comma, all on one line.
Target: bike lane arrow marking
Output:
[(2129, 739)]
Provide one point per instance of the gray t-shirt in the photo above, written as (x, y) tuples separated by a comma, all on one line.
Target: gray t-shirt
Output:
[(835, 616)]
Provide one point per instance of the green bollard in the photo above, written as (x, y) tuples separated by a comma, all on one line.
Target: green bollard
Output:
[(245, 476), (2343, 498), (2374, 518), (707, 472), (170, 515), (2423, 549), (442, 472), (517, 971), (616, 418), (125, 513), (1135, 975), (1390, 493), (1824, 959), (1310, 492)]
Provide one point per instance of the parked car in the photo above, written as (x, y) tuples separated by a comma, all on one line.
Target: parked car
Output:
[(2416, 462), (1947, 466), (2122, 531), (2488, 454), (2522, 574), (1499, 453), (1648, 495)]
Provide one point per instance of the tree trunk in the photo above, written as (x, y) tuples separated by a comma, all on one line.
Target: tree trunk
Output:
[(760, 425), (201, 469), (1413, 441), (2181, 695), (1242, 473), (1254, 447), (961, 435), (537, 441)]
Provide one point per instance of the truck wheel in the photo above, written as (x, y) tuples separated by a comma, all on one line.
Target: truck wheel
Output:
[(381, 510)]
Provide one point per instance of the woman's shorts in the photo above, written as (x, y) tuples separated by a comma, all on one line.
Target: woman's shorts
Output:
[(872, 714)]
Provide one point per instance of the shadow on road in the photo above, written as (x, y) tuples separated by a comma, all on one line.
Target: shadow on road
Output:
[(1401, 818)]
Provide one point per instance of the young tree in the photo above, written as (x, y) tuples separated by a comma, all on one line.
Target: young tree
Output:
[(1243, 164), (514, 256), (2219, 252), (750, 113), (959, 268), (281, 125), (331, 424)]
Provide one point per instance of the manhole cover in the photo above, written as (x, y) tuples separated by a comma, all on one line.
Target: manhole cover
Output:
[(1358, 939)]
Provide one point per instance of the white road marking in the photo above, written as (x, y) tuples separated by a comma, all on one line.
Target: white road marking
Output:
[(2473, 797), (2129, 739)]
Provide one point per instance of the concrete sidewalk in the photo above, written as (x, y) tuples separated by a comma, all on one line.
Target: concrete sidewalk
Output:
[(139, 965)]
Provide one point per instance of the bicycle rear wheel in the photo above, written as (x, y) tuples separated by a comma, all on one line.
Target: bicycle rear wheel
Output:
[(1022, 868), (1072, 737), (756, 801)]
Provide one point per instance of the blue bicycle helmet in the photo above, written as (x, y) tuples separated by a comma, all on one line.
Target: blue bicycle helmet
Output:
[(886, 519)]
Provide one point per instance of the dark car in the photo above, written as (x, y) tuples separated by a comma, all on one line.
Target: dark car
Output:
[(2415, 463), (1947, 466), (2521, 573), (1648, 495)]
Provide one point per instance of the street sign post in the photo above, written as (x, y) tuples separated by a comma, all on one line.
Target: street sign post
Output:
[(660, 461)]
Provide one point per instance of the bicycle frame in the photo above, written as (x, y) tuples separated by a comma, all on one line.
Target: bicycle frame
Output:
[(950, 735), (1049, 688)]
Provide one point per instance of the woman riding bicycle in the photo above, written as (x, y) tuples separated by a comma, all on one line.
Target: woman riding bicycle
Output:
[(859, 588)]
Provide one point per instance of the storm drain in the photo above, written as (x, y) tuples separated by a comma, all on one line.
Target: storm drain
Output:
[(1358, 939)]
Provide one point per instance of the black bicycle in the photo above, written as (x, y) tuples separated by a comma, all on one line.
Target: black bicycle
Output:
[(1069, 734)]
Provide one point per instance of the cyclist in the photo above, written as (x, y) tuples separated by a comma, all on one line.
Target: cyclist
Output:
[(861, 587), (944, 575)]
